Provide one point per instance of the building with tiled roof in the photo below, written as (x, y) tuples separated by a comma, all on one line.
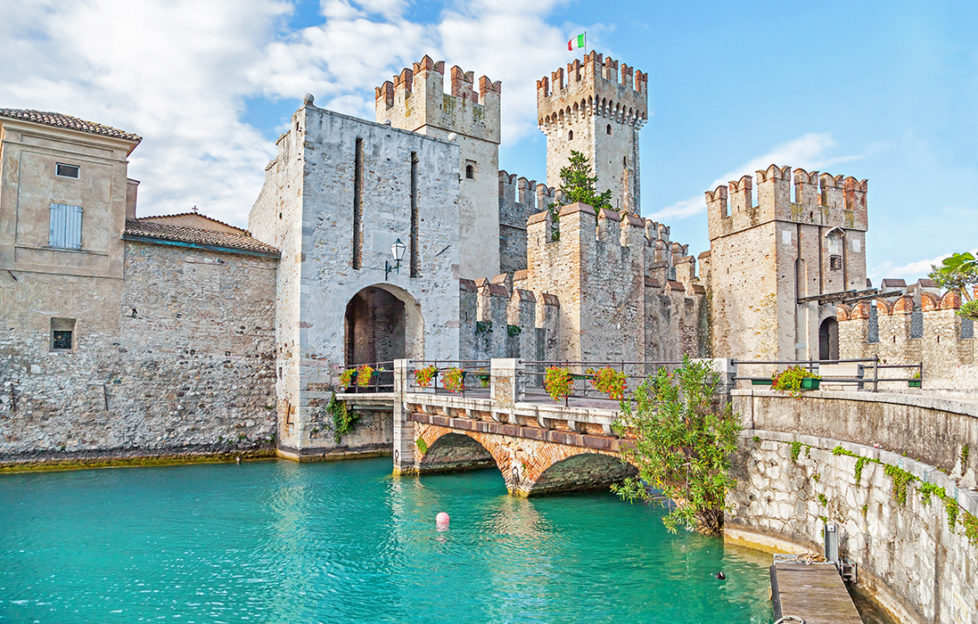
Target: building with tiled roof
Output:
[(196, 220), (144, 230), (68, 122)]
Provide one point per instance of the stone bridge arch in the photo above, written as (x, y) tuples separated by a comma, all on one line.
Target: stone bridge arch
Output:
[(529, 467)]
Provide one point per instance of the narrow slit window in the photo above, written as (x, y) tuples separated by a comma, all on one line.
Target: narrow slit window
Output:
[(570, 135), (415, 260), (64, 170), (357, 260), (469, 172), (608, 129)]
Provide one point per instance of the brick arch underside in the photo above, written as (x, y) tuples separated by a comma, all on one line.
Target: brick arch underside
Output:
[(529, 467)]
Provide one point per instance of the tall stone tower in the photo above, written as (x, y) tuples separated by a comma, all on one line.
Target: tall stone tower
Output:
[(777, 269), (596, 109), (416, 101)]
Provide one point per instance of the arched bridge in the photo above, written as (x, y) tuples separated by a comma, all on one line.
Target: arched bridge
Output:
[(506, 420)]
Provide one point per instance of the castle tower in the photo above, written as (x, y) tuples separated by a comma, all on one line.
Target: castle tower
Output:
[(596, 108), (416, 101), (779, 268)]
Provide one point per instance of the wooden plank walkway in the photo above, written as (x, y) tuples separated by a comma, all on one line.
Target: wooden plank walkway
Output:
[(814, 592)]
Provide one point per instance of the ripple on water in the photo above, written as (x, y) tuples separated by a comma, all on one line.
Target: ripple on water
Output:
[(286, 542)]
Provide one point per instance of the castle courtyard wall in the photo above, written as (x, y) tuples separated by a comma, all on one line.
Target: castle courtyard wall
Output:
[(174, 358)]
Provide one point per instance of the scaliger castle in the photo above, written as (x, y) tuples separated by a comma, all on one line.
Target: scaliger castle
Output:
[(126, 334)]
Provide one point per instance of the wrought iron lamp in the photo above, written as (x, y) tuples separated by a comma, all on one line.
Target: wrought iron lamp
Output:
[(397, 250)]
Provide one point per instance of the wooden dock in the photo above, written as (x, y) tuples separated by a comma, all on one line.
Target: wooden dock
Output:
[(814, 592)]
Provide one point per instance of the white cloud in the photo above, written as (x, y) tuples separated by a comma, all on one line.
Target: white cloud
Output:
[(911, 271), (809, 151), (178, 72), (170, 71)]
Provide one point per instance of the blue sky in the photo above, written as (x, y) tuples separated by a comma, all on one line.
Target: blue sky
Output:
[(884, 91)]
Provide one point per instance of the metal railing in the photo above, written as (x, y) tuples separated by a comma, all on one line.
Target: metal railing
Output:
[(476, 377), (583, 374), (381, 379), (868, 372)]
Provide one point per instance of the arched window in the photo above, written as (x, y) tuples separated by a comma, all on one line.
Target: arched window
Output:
[(608, 129), (470, 172), (570, 135)]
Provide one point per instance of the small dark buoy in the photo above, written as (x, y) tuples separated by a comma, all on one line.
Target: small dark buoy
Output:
[(720, 576)]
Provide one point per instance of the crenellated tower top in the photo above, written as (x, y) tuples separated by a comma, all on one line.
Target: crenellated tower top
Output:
[(596, 107), (819, 199), (598, 86), (416, 99)]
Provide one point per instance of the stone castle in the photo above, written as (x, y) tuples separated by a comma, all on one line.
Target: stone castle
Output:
[(178, 333)]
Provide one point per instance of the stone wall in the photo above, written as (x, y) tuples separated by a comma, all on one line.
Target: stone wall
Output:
[(790, 482), (307, 208), (176, 357), (469, 117), (909, 560), (614, 278), (765, 257), (920, 326), (519, 199)]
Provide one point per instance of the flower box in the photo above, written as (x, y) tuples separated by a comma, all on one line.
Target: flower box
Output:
[(914, 383), (810, 383), (761, 382)]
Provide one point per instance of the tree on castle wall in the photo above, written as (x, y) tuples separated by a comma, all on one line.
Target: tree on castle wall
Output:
[(577, 184), (958, 272)]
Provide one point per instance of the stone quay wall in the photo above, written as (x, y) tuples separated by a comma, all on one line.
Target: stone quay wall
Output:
[(177, 357), (791, 481)]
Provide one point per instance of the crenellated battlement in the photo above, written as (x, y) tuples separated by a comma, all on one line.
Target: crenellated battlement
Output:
[(819, 199), (519, 198), (623, 244), (416, 98), (597, 86), (916, 323)]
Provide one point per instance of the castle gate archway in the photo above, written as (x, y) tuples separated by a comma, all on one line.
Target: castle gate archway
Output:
[(382, 323), (828, 339)]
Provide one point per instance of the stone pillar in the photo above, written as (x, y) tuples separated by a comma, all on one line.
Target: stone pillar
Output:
[(504, 389), (403, 451)]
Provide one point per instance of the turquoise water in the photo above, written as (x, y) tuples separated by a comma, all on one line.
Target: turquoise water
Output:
[(345, 542)]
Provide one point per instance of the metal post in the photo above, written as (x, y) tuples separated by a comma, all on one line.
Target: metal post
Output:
[(876, 373)]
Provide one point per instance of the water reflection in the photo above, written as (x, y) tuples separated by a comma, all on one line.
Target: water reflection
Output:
[(343, 541)]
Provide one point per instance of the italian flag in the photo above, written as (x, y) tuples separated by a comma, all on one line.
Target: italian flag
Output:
[(576, 42)]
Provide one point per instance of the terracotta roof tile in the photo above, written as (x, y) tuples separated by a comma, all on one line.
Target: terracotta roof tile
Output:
[(209, 238), (191, 214), (67, 121)]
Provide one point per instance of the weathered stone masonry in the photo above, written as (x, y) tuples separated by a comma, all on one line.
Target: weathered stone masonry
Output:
[(178, 361)]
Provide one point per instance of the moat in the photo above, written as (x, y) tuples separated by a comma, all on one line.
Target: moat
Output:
[(283, 542)]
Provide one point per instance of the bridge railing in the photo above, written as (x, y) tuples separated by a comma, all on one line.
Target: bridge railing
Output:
[(859, 373), (583, 378), (460, 377), (381, 378)]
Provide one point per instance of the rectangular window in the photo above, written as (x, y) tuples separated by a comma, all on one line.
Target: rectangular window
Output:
[(65, 226), (835, 263), (64, 170), (62, 334)]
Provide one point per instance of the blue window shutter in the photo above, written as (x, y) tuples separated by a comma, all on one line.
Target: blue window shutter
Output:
[(65, 228), (74, 223)]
